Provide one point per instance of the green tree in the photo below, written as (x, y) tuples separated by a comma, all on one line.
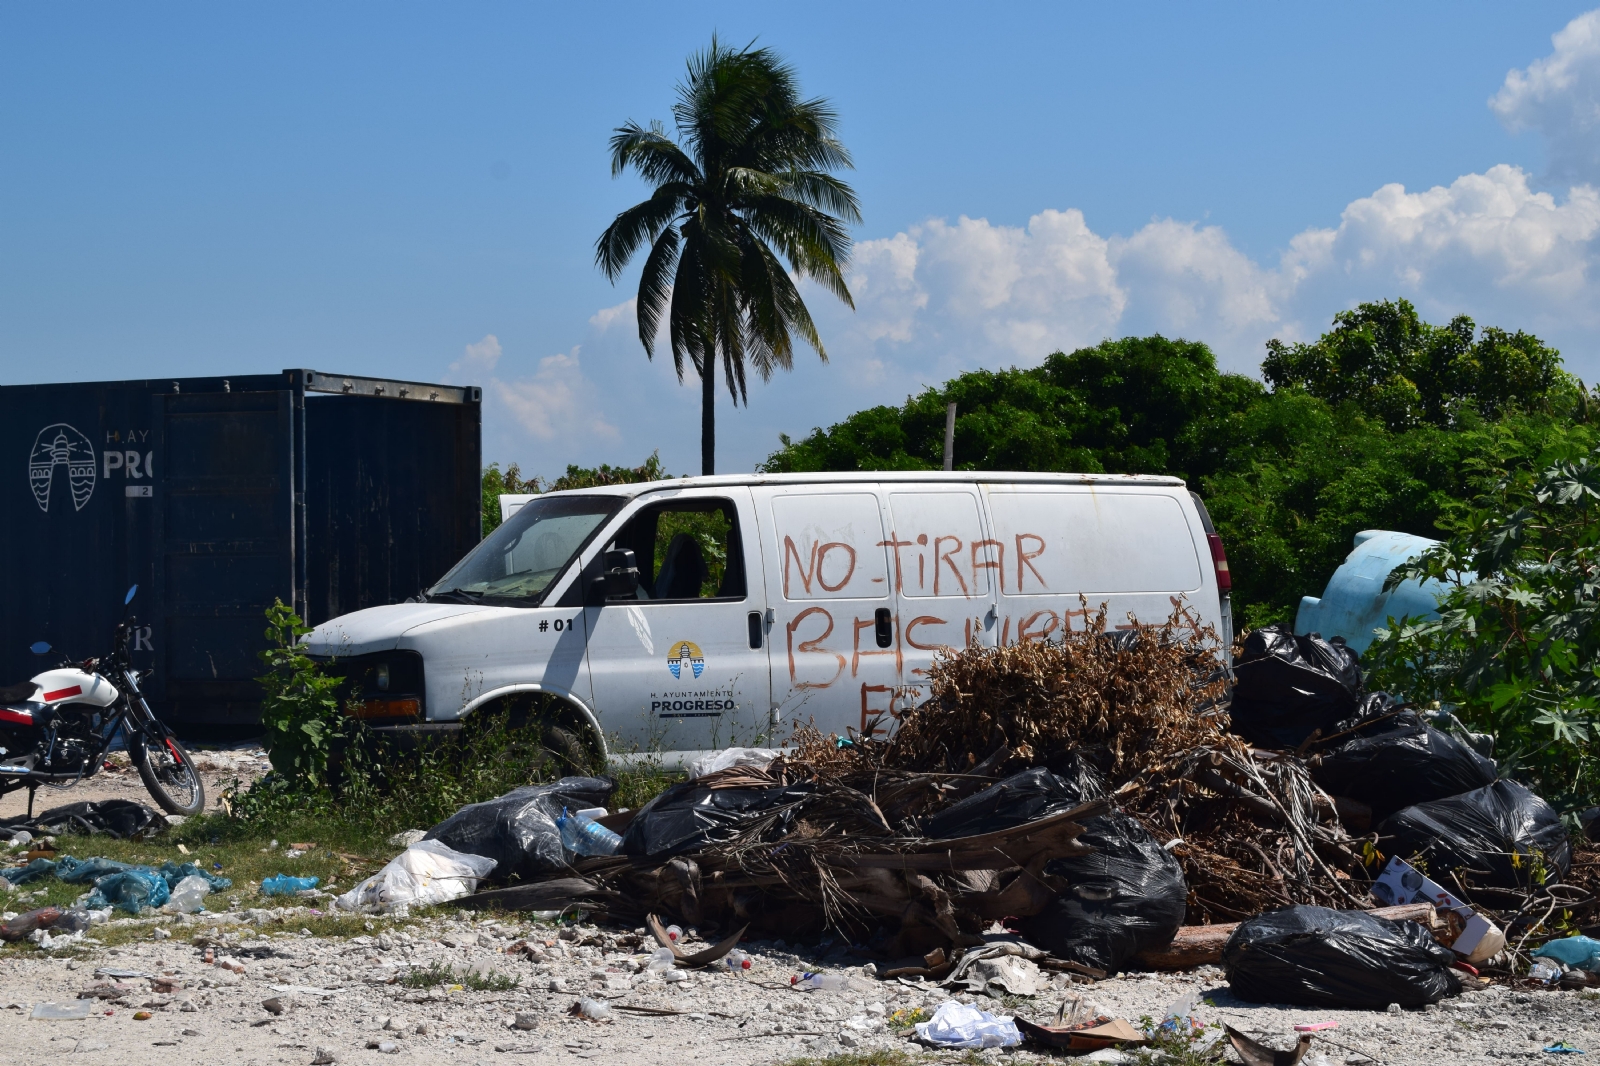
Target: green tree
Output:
[(1517, 640), (510, 482), (748, 181), (497, 483), (1384, 358)]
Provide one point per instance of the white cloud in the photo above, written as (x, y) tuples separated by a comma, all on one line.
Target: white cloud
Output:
[(603, 319), (557, 401), (1559, 96), (479, 357)]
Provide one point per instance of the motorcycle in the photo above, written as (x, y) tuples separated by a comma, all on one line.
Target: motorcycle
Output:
[(56, 729)]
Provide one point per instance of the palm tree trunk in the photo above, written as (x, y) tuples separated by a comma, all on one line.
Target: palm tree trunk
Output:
[(708, 414)]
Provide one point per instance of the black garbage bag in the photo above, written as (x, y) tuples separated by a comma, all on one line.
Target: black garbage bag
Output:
[(690, 815), (1024, 797), (1289, 686), (518, 830), (1319, 957), (1128, 895), (1402, 762), (116, 817), (1497, 835)]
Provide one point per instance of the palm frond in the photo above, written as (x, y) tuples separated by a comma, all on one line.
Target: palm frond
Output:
[(652, 153), (655, 288), (638, 225)]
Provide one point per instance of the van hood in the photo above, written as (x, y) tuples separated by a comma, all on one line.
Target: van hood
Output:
[(379, 628)]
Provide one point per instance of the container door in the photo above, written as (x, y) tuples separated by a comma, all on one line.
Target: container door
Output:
[(945, 567), (835, 652), (225, 545), (683, 665)]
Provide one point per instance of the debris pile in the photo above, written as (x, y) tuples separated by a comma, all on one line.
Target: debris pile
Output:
[(1114, 800)]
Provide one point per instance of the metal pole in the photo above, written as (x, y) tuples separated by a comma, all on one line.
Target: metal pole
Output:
[(950, 436)]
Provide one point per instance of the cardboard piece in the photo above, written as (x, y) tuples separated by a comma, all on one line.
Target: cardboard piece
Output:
[(1093, 1037), (1401, 883)]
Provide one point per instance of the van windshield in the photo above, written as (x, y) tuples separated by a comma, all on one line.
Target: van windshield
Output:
[(524, 556)]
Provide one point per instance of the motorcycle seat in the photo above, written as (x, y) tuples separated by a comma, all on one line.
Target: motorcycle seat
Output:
[(19, 693)]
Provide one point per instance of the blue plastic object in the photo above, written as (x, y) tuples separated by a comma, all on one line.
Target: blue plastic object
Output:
[(1354, 605), (1577, 951), (284, 885), (130, 890), (585, 836)]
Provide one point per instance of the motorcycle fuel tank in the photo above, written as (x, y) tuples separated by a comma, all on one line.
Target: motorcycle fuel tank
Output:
[(68, 685)]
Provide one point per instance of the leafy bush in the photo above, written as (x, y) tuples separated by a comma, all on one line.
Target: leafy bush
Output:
[(299, 705), (1518, 638)]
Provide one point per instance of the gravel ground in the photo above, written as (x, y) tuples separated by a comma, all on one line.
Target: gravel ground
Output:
[(120, 780), (341, 996)]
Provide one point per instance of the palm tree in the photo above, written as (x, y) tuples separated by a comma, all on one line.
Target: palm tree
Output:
[(749, 175)]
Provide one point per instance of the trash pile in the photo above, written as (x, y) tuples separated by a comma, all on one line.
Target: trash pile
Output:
[(1114, 800)]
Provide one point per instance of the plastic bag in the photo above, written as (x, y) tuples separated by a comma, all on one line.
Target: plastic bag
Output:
[(188, 896), (116, 817), (1018, 799), (425, 873), (1580, 952), (727, 758), (175, 873), (1402, 762), (691, 815), (287, 885), (1494, 832), (1318, 957), (960, 1025), (1289, 686), (518, 830), (131, 890), (1126, 896)]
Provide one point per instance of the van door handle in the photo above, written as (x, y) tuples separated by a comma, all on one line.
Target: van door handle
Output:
[(883, 627), (754, 618)]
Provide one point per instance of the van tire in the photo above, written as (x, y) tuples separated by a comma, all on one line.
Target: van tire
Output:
[(567, 749)]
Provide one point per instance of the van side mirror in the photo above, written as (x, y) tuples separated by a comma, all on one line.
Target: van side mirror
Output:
[(620, 574)]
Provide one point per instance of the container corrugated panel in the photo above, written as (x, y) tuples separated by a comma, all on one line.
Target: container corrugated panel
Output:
[(217, 496)]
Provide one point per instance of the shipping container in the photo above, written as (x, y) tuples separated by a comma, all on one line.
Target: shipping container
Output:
[(216, 496)]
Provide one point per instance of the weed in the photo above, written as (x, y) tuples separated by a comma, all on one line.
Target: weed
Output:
[(906, 1017), (1200, 1046), (436, 974)]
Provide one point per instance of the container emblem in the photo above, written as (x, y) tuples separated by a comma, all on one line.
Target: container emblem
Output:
[(61, 445)]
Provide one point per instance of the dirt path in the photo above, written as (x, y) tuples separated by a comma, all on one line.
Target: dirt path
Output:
[(343, 995), (121, 781)]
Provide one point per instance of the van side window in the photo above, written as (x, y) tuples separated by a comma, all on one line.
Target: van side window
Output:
[(687, 550)]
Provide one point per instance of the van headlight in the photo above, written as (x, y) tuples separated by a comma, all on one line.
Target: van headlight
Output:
[(382, 677)]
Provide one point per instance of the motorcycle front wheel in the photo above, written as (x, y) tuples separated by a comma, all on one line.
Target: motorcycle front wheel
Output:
[(169, 774)]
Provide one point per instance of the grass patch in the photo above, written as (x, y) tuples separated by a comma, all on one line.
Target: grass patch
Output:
[(435, 974), (874, 1057)]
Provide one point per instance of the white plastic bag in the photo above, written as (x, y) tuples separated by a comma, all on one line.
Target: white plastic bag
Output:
[(959, 1025), (425, 873), (757, 758), (188, 895)]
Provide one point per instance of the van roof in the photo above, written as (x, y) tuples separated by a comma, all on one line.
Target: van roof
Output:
[(869, 476)]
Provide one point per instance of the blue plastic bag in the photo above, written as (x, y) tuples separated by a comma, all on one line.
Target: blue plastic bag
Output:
[(175, 873), (1576, 951), (284, 885), (131, 891), (83, 871), (21, 875)]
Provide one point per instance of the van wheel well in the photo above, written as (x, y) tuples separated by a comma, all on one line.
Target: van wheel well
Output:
[(568, 738)]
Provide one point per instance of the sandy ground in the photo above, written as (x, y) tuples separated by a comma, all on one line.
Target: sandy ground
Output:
[(121, 781), (343, 996)]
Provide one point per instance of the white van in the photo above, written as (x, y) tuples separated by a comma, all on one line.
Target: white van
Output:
[(684, 616)]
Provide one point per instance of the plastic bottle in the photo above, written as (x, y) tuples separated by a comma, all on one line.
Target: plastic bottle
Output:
[(585, 836), (1547, 971), (284, 885), (674, 934), (661, 960), (737, 961), (188, 895), (830, 982)]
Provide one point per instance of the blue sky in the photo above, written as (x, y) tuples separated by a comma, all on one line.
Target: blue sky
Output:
[(414, 190)]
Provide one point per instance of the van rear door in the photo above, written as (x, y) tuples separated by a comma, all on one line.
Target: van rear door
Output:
[(1071, 548)]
